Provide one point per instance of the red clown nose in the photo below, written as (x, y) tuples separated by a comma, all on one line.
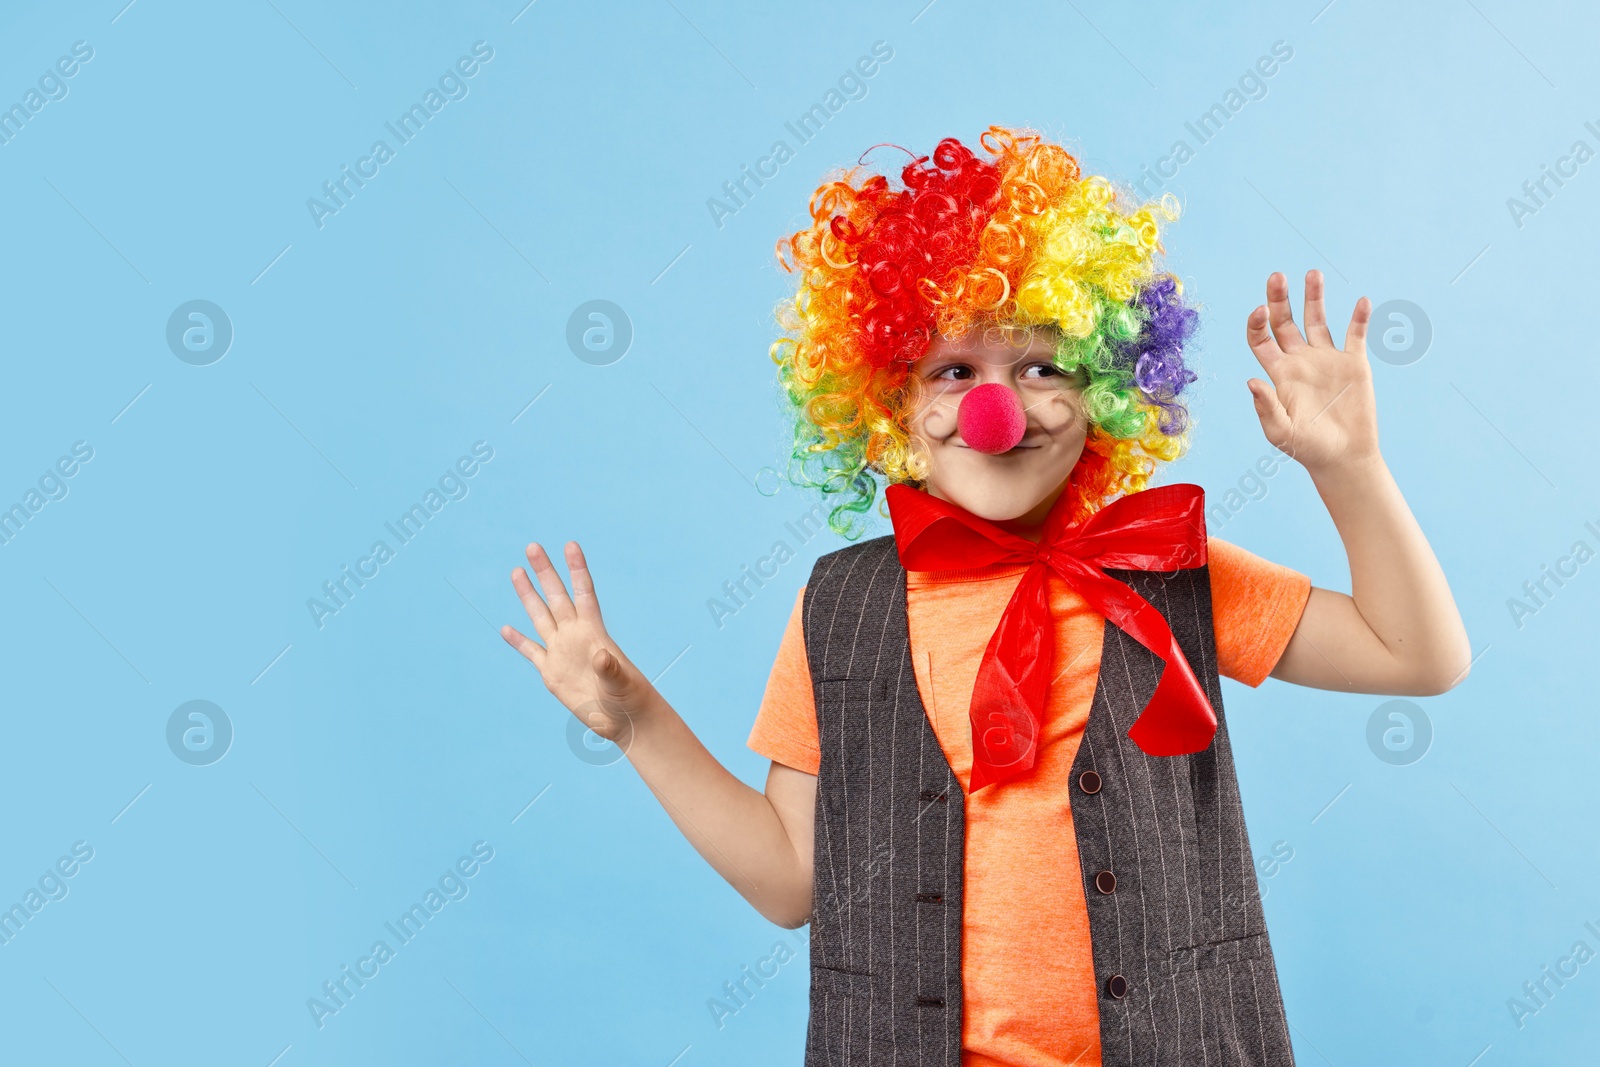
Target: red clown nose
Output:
[(990, 419)]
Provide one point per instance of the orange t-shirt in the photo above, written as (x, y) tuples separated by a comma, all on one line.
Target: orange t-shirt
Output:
[(1028, 984)]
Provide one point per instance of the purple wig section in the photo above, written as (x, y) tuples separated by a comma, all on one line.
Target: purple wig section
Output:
[(1157, 353)]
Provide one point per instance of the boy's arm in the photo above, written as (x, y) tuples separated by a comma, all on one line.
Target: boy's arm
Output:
[(760, 843), (1399, 631)]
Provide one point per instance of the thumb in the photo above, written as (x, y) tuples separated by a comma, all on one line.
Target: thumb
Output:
[(1269, 409), (609, 670)]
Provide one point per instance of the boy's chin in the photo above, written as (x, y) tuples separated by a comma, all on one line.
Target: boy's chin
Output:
[(999, 499)]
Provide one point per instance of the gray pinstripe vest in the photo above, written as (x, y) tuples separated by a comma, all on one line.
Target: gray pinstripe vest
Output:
[(1186, 975)]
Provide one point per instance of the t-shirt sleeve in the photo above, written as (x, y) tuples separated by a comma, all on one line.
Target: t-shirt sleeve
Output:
[(1255, 606), (785, 729)]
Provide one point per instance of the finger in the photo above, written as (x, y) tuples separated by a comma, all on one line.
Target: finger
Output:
[(1261, 341), (555, 590), (1355, 334), (1316, 314), (1281, 314), (622, 690), (583, 597), (608, 669), (544, 623), (1275, 422), (615, 685), (531, 650)]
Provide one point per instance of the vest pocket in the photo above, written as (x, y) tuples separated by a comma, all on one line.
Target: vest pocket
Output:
[(847, 708), (1211, 954), (848, 1025), (856, 689), (1239, 1001), (833, 981)]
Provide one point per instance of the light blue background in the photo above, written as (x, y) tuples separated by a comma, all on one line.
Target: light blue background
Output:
[(425, 316)]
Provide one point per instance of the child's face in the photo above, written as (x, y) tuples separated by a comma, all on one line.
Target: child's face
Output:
[(1024, 482)]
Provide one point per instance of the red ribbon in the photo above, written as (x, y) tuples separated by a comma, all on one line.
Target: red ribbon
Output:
[(1158, 529)]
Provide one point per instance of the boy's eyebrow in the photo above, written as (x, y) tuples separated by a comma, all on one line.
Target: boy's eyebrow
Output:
[(931, 357), (1039, 345)]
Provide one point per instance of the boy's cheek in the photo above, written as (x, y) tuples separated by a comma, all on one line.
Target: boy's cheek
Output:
[(931, 424)]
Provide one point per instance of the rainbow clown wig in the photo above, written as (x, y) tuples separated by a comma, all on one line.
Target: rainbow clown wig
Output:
[(1020, 238)]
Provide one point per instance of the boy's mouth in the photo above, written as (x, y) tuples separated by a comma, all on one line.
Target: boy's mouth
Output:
[(1014, 448)]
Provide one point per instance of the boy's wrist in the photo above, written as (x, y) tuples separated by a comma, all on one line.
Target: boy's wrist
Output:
[(1348, 470), (652, 720), (1349, 474)]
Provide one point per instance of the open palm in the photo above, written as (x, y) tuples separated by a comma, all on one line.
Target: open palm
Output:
[(579, 662), (1320, 407)]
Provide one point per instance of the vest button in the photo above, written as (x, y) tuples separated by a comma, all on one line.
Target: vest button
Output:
[(1089, 782), (1117, 986), (1106, 882)]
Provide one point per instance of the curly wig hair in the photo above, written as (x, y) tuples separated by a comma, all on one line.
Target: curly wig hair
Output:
[(1014, 237)]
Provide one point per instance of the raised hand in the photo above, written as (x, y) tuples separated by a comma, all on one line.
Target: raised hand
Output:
[(579, 663), (1320, 407)]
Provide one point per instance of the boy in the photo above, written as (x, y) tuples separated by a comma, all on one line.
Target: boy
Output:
[(1001, 788)]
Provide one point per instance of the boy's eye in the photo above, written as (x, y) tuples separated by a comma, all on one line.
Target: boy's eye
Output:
[(961, 372), (1076, 378)]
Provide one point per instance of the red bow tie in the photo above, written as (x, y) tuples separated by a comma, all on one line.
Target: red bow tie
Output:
[(1157, 529)]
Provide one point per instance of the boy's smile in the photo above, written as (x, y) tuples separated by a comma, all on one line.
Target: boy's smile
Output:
[(1015, 488)]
